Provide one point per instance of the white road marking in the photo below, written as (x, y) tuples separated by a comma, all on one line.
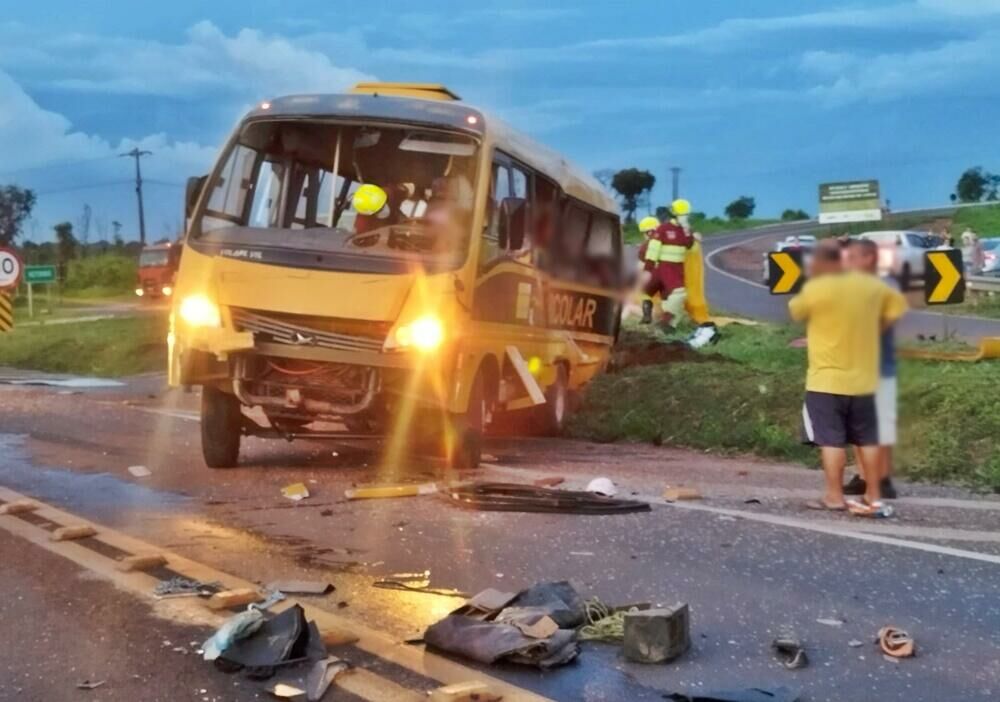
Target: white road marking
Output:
[(175, 414), (854, 531)]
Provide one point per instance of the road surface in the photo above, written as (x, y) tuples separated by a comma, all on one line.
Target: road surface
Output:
[(743, 294), (748, 570)]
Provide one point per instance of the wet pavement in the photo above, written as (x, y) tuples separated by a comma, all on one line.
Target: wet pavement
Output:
[(748, 570)]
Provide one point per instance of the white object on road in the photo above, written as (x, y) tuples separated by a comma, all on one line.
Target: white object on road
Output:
[(140, 471), (602, 486)]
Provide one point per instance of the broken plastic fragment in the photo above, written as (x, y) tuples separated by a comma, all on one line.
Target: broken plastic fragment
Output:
[(295, 491)]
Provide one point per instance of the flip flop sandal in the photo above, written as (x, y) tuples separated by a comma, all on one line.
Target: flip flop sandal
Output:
[(895, 642), (820, 506), (878, 510)]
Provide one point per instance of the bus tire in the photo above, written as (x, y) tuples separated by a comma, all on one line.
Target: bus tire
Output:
[(553, 413), (464, 442), (221, 428)]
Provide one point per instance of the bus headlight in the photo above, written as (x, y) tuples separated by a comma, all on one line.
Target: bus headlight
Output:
[(199, 311), (424, 334)]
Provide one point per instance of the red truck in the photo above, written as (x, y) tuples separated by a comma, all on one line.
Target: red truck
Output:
[(157, 267)]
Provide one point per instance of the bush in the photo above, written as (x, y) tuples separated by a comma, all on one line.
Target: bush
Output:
[(110, 272)]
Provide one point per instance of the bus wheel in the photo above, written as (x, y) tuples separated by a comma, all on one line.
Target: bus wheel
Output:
[(553, 412), (464, 439), (221, 425)]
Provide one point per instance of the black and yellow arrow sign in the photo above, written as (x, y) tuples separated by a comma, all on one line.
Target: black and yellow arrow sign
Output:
[(784, 272), (6, 313), (944, 279)]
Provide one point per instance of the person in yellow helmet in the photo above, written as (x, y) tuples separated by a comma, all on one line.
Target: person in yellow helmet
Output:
[(696, 303), (647, 226)]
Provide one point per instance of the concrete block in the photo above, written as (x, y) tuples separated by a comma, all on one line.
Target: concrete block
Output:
[(657, 635), (465, 692), (228, 599), (148, 561), (71, 533), (19, 507)]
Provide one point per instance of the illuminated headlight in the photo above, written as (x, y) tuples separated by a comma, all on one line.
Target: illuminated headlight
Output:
[(167, 290), (139, 292), (424, 334), (885, 258), (199, 311)]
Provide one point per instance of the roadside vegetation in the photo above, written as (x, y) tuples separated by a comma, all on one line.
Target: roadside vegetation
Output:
[(745, 396), (108, 347), (985, 221)]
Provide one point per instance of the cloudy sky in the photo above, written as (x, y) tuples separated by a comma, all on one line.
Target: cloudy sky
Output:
[(764, 99)]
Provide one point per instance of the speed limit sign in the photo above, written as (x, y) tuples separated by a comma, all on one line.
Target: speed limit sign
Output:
[(10, 269)]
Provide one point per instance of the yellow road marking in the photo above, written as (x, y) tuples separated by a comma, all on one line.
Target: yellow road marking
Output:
[(364, 684)]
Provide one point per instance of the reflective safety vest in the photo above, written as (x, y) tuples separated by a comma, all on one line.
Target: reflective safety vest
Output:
[(669, 244)]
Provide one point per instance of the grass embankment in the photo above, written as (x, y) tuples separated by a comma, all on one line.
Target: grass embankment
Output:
[(985, 221), (706, 227), (109, 347), (745, 396)]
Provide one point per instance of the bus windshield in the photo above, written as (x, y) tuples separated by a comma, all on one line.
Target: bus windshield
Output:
[(290, 185)]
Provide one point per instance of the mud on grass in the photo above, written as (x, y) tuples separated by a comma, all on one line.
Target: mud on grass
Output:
[(745, 396)]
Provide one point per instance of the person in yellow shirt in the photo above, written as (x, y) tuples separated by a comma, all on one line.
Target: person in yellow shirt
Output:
[(845, 313)]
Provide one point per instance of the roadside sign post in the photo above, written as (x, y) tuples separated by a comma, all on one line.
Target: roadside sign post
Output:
[(944, 281), (785, 272), (854, 201), (10, 274), (38, 275)]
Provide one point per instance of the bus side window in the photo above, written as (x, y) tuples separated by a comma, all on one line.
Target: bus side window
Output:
[(568, 249), (500, 189), (601, 253), (544, 221)]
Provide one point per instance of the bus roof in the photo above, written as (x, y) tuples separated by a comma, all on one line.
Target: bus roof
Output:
[(574, 181)]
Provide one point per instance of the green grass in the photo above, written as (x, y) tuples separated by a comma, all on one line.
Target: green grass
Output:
[(110, 347), (745, 396), (985, 221)]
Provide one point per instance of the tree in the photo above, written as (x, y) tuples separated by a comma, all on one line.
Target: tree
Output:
[(794, 215), (973, 185), (741, 208), (15, 207), (630, 184), (66, 247)]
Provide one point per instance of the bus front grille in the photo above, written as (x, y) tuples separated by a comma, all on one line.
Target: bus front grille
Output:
[(301, 331)]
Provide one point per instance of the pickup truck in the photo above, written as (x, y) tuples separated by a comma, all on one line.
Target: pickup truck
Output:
[(901, 254)]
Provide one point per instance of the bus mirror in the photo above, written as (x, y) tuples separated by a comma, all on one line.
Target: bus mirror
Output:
[(195, 184), (513, 223)]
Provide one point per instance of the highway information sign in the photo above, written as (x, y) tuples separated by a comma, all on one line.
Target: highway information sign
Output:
[(944, 282), (39, 274), (855, 201), (785, 273)]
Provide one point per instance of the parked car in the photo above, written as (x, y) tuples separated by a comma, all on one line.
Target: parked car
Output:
[(804, 242), (901, 254), (991, 255)]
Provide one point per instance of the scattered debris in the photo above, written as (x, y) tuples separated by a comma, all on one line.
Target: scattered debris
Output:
[(603, 624), (322, 675), (141, 562), (514, 497), (285, 691), (415, 582), (140, 471), (582, 553), (680, 493), (300, 587), (90, 685), (376, 492), (752, 501), (755, 694), (295, 491), (227, 599), (895, 642), (183, 587), (603, 487), (549, 482), (854, 643), (488, 638), (235, 628), (657, 635), (790, 652), (285, 638), (830, 622)]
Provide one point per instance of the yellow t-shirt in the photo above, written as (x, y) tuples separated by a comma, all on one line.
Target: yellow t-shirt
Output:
[(844, 315)]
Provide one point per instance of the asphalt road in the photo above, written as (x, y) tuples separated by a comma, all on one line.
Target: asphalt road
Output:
[(749, 571), (748, 297)]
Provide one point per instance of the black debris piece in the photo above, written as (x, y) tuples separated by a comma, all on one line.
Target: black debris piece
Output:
[(755, 694), (514, 497)]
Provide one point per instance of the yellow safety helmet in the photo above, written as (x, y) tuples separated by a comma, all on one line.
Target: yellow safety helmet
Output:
[(369, 199), (680, 208), (648, 224)]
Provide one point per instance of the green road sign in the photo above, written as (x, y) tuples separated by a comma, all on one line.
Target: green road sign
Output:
[(856, 201), (39, 274)]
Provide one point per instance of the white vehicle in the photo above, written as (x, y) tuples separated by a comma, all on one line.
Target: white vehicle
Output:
[(901, 254), (802, 242)]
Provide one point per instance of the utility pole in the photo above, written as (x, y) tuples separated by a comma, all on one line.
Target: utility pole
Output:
[(137, 155), (675, 172)]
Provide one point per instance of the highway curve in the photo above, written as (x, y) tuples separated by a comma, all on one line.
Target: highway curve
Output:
[(738, 295)]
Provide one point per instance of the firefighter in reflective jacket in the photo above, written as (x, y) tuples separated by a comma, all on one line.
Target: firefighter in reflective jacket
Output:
[(667, 249), (647, 227)]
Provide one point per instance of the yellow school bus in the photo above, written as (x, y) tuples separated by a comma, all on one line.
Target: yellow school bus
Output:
[(390, 261)]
